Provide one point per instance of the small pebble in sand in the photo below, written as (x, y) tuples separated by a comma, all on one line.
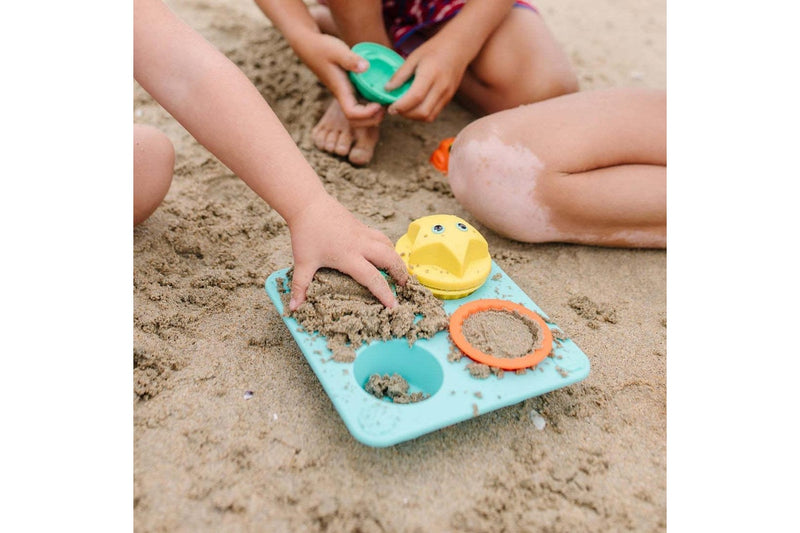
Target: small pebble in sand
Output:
[(538, 420), (248, 394)]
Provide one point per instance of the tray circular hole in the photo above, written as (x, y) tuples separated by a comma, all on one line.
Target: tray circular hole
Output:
[(415, 364)]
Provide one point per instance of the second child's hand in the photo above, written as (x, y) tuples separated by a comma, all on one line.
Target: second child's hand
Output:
[(330, 59), (438, 69)]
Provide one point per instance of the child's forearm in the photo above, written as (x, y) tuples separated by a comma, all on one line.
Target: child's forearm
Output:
[(360, 21), (291, 18), (473, 25), (219, 106)]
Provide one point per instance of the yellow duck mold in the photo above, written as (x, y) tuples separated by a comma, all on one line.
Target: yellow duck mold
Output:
[(446, 254)]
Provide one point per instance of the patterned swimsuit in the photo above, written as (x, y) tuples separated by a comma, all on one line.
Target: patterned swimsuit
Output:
[(405, 18)]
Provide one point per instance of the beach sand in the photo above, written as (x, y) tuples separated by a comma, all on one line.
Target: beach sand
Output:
[(232, 429)]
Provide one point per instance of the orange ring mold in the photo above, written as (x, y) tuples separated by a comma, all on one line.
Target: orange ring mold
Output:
[(516, 363)]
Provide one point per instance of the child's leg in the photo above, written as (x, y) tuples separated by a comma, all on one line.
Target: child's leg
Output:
[(520, 63), (321, 14), (351, 21), (153, 161), (587, 168), (333, 132)]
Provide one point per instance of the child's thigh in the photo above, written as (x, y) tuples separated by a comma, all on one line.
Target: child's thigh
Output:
[(585, 130), (522, 50)]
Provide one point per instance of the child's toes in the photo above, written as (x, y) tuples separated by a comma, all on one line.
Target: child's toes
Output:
[(362, 151), (318, 135), (343, 143), (330, 140)]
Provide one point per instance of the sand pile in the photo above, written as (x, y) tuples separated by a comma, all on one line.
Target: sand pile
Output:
[(348, 315), (502, 333)]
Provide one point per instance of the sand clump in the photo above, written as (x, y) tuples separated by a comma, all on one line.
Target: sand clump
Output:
[(502, 333), (479, 370), (593, 312), (394, 387), (348, 315)]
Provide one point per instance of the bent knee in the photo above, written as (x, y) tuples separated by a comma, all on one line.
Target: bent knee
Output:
[(469, 165), (501, 184), (153, 163), (153, 144)]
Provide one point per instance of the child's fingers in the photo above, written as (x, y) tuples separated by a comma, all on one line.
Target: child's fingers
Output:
[(380, 237), (416, 94), (301, 279), (431, 105), (370, 277), (401, 75), (371, 112), (429, 109), (360, 115), (386, 258), (349, 60), (367, 122)]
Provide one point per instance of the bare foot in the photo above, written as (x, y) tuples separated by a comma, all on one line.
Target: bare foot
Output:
[(334, 134)]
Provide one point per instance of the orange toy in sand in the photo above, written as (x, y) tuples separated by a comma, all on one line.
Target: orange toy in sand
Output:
[(441, 156), (476, 306)]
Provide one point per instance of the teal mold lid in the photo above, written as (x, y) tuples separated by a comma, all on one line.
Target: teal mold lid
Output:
[(383, 63)]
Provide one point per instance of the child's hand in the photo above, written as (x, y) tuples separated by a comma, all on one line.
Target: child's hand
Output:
[(437, 67), (330, 59), (326, 234)]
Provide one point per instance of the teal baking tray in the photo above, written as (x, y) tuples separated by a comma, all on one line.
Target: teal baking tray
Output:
[(455, 395)]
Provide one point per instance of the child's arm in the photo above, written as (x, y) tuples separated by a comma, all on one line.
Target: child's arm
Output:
[(360, 21), (328, 58), (439, 64), (219, 106)]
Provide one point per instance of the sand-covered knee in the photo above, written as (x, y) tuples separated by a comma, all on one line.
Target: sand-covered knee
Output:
[(497, 182)]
